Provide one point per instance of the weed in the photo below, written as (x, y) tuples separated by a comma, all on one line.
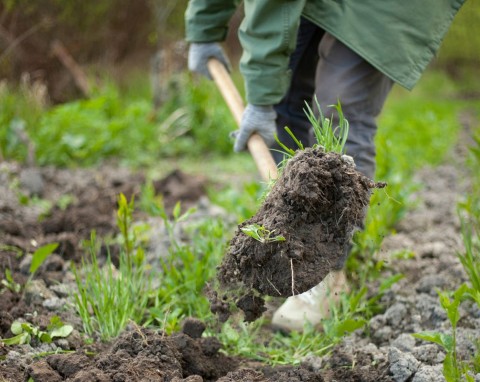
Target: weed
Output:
[(25, 332), (187, 269), (469, 214), (242, 203), (453, 369), (329, 138), (38, 258), (261, 234), (107, 299), (10, 283), (332, 139)]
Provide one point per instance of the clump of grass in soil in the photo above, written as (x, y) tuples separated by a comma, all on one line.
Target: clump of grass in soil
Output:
[(108, 298), (315, 205)]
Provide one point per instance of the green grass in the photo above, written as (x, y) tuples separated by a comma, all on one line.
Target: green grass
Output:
[(117, 124), (187, 270), (107, 297)]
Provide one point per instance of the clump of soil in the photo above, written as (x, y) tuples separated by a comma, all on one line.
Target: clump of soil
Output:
[(140, 355), (316, 204)]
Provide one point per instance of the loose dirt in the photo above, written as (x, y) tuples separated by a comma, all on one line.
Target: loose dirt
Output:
[(316, 205)]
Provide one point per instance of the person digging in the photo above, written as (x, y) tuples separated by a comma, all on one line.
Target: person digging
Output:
[(344, 51)]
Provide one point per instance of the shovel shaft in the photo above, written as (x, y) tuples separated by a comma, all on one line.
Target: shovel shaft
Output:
[(256, 145)]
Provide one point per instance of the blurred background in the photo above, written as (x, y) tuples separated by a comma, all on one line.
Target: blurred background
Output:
[(118, 36), (117, 68)]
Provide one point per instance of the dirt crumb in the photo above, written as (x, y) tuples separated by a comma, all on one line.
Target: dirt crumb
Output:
[(193, 327), (252, 306)]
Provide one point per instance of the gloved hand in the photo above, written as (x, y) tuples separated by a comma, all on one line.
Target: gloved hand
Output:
[(199, 54), (256, 119)]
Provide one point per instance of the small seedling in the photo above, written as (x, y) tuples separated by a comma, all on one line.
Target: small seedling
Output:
[(24, 332), (261, 234), (10, 283), (453, 369)]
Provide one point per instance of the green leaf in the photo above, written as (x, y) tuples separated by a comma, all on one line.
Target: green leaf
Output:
[(176, 210), (386, 284), (40, 255), (8, 276), (349, 325), (29, 328), (19, 339), (55, 322), (356, 298), (16, 327), (231, 334), (431, 337), (62, 332), (44, 337)]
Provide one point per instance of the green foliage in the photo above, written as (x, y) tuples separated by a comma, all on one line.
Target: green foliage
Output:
[(107, 298), (20, 109), (187, 269), (351, 313), (261, 234), (469, 214), (242, 203), (38, 258), (453, 369), (40, 255), (247, 339), (113, 123), (25, 332)]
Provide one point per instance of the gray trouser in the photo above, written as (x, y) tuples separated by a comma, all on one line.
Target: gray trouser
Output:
[(323, 66)]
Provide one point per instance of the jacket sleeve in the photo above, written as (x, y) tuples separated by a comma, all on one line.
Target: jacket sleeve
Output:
[(207, 20), (268, 36)]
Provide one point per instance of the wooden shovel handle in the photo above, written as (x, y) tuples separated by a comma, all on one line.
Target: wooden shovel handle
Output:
[(256, 145)]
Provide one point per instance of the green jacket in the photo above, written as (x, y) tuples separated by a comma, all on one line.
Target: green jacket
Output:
[(397, 37)]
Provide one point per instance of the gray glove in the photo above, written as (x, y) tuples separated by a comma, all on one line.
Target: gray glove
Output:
[(256, 119), (199, 54)]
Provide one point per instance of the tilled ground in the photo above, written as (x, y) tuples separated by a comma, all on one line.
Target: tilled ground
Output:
[(389, 353)]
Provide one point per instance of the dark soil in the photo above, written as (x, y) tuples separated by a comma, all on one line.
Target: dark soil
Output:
[(316, 204), (138, 355), (93, 199), (146, 355)]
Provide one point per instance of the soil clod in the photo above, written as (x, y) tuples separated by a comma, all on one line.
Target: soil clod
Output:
[(316, 205)]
